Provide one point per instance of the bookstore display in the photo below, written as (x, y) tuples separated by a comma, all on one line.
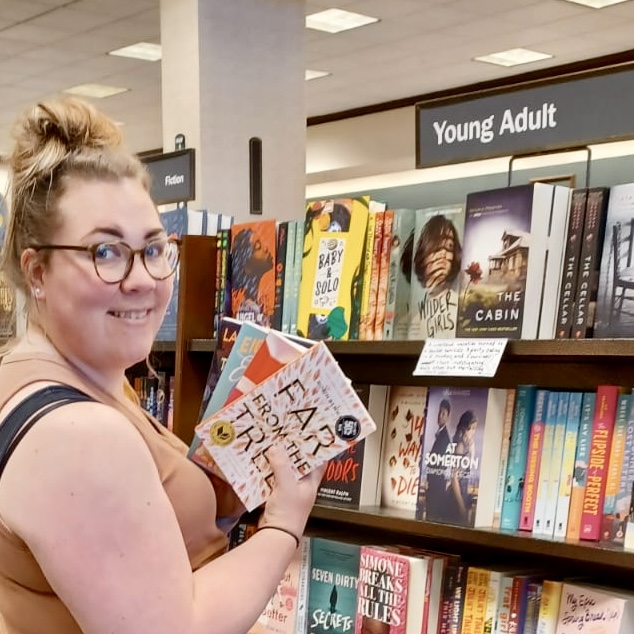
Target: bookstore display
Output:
[(502, 504)]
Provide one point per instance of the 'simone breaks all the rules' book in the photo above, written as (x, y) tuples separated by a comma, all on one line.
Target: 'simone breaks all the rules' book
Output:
[(309, 406)]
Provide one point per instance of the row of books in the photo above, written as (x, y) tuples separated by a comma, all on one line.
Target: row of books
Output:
[(156, 395), (531, 261), (337, 587)]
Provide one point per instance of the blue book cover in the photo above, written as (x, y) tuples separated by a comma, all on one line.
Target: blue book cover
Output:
[(332, 590), (518, 450)]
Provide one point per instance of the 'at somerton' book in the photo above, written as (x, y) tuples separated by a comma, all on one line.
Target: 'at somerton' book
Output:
[(308, 406)]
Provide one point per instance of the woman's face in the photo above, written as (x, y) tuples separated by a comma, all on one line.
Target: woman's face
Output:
[(108, 327), (471, 429)]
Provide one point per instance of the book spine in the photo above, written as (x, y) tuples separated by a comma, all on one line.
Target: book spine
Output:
[(518, 605), (289, 274), (493, 594), (549, 607), (590, 259), (449, 581), (600, 443), (366, 280), (468, 613), (506, 442), (482, 590), (503, 614), (374, 275), (384, 267), (568, 464), (545, 462), (301, 616), (580, 472), (298, 257), (559, 439), (523, 416), (571, 263), (615, 465), (280, 266), (624, 496), (457, 608), (534, 454)]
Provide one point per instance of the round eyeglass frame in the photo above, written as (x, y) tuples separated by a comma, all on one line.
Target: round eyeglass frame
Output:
[(93, 248)]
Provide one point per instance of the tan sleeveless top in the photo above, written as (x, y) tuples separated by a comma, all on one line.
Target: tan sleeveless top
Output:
[(27, 602)]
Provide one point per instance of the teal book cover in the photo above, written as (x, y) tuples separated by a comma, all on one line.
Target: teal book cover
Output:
[(332, 590)]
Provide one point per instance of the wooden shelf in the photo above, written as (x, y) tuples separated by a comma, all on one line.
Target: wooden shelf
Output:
[(376, 521), (164, 346)]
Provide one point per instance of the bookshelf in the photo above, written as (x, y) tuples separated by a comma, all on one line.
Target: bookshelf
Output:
[(580, 364)]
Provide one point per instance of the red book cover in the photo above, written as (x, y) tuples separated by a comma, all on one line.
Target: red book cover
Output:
[(600, 443), (253, 271)]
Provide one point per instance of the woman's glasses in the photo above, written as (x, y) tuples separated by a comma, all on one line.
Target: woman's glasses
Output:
[(113, 260)]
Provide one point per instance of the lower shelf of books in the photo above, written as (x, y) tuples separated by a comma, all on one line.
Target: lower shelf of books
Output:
[(372, 524)]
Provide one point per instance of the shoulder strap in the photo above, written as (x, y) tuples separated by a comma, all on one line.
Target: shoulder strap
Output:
[(24, 415)]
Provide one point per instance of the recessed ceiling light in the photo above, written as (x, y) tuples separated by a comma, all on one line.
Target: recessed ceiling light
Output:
[(315, 74), (597, 4), (336, 20), (141, 50), (98, 91), (513, 57)]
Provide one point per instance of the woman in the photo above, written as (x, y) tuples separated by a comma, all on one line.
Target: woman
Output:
[(106, 526), (464, 453)]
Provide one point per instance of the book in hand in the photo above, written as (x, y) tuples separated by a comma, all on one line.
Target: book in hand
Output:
[(308, 406)]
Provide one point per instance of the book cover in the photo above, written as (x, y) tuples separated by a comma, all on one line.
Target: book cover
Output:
[(392, 583), (600, 443), (351, 479), (281, 612), (504, 258), (297, 277), (461, 454), (280, 273), (549, 607), (289, 272), (500, 486), (595, 610), (572, 258), (308, 405), (397, 307), (624, 499), (331, 267), (253, 271), (435, 276), (402, 442), (332, 590), (226, 336), (523, 417)]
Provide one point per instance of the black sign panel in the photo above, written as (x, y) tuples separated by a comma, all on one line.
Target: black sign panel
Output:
[(554, 116), (172, 176)]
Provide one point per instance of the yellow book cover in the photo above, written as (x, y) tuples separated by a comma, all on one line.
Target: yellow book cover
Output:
[(468, 611), (481, 593), (334, 236), (549, 607)]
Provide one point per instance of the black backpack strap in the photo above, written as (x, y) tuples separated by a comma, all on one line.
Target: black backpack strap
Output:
[(24, 415)]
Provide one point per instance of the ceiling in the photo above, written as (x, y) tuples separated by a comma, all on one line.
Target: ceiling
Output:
[(418, 47)]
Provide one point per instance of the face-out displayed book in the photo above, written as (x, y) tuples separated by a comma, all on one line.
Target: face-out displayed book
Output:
[(308, 406), (513, 252)]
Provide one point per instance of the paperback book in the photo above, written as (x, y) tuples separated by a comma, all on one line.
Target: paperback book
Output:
[(308, 406)]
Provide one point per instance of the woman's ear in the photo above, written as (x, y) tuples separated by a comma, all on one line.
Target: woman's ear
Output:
[(33, 270)]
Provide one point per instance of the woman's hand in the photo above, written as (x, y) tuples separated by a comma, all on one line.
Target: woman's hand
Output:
[(291, 500)]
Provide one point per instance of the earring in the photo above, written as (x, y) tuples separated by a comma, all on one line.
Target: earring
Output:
[(37, 290)]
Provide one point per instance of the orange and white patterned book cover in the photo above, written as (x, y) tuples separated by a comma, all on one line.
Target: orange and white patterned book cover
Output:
[(309, 406)]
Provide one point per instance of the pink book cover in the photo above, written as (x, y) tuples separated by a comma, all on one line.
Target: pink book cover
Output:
[(381, 592), (533, 463), (600, 443)]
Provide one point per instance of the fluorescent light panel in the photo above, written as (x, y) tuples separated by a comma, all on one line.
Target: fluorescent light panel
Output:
[(141, 50), (314, 74), (337, 20), (596, 4), (98, 91), (513, 57)]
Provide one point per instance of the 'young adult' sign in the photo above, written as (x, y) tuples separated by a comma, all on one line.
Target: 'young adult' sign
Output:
[(570, 113)]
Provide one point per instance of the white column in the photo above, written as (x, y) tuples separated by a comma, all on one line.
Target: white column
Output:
[(232, 70)]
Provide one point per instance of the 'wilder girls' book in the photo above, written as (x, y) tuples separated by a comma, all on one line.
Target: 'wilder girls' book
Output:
[(308, 406), (436, 267), (332, 263), (505, 248), (332, 586)]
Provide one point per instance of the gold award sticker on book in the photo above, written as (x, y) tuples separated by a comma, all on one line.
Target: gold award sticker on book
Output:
[(347, 428), (222, 433)]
